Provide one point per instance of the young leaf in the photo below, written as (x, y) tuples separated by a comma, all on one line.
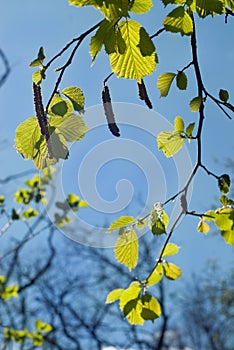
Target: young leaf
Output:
[(114, 295), (189, 130), (195, 103), (181, 81), (170, 249), (207, 7), (39, 60), (133, 63), (203, 227), (76, 96), (150, 307), (156, 275), (158, 221), (223, 95), (225, 219), (179, 124), (30, 213), (164, 83), (122, 221), (224, 183), (38, 76), (170, 142), (171, 271), (126, 248), (131, 305), (179, 21), (140, 224), (71, 127), (2, 200)]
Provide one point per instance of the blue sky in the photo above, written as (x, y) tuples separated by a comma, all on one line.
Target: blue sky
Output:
[(28, 24)]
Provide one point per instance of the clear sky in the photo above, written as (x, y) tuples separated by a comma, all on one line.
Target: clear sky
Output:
[(27, 24)]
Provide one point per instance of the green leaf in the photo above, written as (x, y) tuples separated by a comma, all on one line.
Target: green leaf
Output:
[(122, 221), (104, 35), (179, 124), (59, 106), (203, 227), (170, 249), (224, 183), (171, 271), (62, 220), (132, 64), (71, 127), (189, 130), (114, 295), (225, 219), (230, 4), (156, 275), (27, 135), (226, 201), (126, 248), (43, 327), (38, 76), (39, 60), (181, 81), (228, 236), (37, 339), (76, 96), (170, 142), (158, 220), (139, 6), (131, 305), (195, 103), (151, 308), (179, 21), (30, 213), (207, 7), (164, 83), (223, 95)]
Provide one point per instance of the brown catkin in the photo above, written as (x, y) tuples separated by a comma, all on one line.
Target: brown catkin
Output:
[(106, 101), (143, 94)]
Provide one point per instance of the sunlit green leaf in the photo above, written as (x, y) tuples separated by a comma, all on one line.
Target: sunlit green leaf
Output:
[(195, 103), (180, 21), (9, 292), (37, 339), (132, 64), (209, 215), (114, 295), (156, 275), (228, 236), (76, 96), (164, 83), (179, 124), (27, 135), (170, 249), (2, 200), (225, 219), (207, 7), (203, 227), (171, 271), (122, 221), (71, 127), (139, 6), (150, 307), (131, 305), (38, 76), (126, 248), (230, 4), (170, 142), (181, 81)]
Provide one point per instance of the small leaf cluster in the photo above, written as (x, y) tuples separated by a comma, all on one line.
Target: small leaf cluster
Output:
[(171, 142), (222, 217), (136, 303), (72, 202), (7, 292), (36, 337)]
